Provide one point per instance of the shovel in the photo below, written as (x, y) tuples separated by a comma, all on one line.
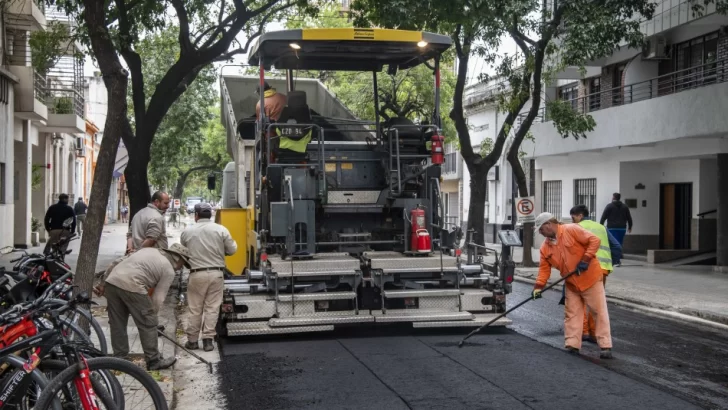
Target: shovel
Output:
[(462, 342)]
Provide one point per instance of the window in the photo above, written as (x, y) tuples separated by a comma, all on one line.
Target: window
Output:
[(569, 93), (552, 197), (2, 183), (696, 61), (585, 193), (595, 98)]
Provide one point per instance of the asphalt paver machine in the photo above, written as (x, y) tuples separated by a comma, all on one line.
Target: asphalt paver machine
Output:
[(346, 217)]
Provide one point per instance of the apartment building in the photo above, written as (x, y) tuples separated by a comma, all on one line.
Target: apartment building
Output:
[(660, 137), (46, 102)]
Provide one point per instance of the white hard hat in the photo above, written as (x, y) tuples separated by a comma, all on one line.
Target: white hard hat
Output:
[(542, 219)]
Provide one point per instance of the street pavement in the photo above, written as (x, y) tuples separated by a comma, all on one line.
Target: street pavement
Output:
[(658, 364)]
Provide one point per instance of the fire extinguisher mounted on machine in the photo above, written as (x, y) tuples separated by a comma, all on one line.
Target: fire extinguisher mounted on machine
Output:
[(437, 146), (420, 241)]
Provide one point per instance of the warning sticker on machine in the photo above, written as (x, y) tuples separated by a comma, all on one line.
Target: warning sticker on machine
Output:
[(347, 165), (330, 167)]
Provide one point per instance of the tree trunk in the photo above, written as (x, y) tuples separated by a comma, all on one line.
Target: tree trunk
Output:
[(527, 227), (137, 180), (179, 189), (476, 215), (115, 79)]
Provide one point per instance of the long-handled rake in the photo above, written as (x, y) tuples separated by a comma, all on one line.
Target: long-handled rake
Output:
[(462, 342)]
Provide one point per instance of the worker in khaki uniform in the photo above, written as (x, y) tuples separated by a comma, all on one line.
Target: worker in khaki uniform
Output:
[(570, 248), (127, 288), (148, 228), (609, 255), (208, 243)]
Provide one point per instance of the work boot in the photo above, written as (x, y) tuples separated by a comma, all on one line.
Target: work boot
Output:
[(572, 350), (606, 354), (161, 363), (207, 345), (192, 345)]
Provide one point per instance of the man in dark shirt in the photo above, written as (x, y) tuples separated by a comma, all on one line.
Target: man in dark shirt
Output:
[(619, 220), (80, 209), (53, 221)]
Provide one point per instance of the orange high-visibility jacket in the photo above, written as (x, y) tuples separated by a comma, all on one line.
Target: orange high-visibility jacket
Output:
[(273, 106), (573, 244)]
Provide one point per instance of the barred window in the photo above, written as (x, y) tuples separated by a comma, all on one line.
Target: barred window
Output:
[(552, 197), (585, 193)]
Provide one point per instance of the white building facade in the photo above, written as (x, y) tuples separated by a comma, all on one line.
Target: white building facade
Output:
[(660, 137), (41, 110)]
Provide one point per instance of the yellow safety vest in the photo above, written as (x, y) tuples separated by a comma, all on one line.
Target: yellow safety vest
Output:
[(296, 145), (604, 255)]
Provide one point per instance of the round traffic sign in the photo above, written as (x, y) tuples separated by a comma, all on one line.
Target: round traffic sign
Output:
[(525, 207)]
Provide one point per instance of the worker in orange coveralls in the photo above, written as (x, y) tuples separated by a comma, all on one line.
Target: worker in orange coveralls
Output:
[(569, 248)]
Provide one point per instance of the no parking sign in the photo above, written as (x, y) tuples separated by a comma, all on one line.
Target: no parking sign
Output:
[(525, 209)]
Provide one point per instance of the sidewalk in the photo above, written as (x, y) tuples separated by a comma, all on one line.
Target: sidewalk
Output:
[(113, 245), (695, 291)]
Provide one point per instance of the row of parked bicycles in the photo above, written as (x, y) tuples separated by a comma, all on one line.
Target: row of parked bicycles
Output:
[(53, 352)]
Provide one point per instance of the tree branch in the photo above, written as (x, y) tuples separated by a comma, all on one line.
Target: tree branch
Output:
[(253, 36), (457, 112), (114, 14), (185, 44)]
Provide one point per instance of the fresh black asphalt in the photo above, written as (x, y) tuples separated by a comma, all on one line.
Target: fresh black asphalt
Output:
[(659, 364)]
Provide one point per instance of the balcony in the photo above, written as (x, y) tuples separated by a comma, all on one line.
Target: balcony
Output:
[(682, 104), (65, 101), (453, 166), (26, 14), (30, 92)]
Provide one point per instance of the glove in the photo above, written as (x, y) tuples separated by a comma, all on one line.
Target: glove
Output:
[(581, 267), (536, 294)]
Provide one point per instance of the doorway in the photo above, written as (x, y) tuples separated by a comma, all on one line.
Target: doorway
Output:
[(676, 211)]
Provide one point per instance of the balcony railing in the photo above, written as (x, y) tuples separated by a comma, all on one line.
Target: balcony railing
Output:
[(451, 163), (690, 78), (65, 87), (60, 101), (53, 13), (39, 87)]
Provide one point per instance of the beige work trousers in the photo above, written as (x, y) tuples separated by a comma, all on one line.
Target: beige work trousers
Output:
[(596, 300), (204, 297)]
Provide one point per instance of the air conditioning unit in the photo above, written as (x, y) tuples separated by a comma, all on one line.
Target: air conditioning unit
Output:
[(655, 49), (81, 152), (79, 143)]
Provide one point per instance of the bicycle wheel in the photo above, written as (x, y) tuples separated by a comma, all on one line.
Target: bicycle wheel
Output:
[(95, 334), (134, 382), (39, 382), (106, 386)]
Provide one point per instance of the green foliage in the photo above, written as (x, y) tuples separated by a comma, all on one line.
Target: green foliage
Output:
[(48, 46), (36, 177), (62, 105), (179, 142), (569, 122), (34, 224)]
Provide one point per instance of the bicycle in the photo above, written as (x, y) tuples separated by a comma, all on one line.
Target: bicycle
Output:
[(85, 381)]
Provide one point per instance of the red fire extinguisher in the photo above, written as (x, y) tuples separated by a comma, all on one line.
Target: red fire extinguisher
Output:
[(420, 238), (438, 154)]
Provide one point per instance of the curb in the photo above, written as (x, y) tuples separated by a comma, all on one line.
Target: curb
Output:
[(685, 315)]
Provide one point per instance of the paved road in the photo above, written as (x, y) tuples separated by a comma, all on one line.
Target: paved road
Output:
[(659, 365)]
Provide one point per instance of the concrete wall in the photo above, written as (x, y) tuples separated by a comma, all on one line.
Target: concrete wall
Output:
[(692, 113), (7, 158)]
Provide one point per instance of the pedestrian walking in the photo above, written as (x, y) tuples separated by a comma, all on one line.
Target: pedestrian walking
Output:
[(609, 255), (137, 287), (618, 218), (53, 223), (80, 209), (148, 228), (570, 248), (208, 243), (124, 213)]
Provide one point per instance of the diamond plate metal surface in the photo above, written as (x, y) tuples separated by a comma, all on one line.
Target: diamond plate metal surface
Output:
[(353, 197), (320, 264), (398, 262), (258, 307), (392, 317), (317, 296), (413, 293), (325, 320), (267, 330), (479, 320), (444, 303), (472, 300)]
